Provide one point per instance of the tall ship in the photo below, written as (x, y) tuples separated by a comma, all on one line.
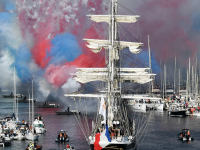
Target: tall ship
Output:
[(112, 128)]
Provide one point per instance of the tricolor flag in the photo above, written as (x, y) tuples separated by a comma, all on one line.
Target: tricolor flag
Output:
[(102, 139), (102, 110)]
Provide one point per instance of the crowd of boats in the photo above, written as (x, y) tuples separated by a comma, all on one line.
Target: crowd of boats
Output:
[(11, 129), (176, 105)]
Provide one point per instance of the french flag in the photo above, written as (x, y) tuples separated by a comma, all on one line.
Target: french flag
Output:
[(102, 139)]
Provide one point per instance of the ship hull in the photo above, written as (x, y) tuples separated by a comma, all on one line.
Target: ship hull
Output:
[(48, 106), (113, 146)]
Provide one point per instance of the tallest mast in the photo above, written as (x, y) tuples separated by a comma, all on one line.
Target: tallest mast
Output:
[(111, 64)]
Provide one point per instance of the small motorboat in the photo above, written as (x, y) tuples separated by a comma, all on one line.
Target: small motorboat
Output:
[(185, 135), (33, 146), (39, 125), (48, 105), (11, 95), (62, 136), (68, 112)]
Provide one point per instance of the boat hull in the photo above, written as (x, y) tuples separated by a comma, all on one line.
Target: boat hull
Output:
[(120, 142), (32, 137), (48, 106), (113, 146), (38, 147), (66, 113), (40, 130), (178, 113)]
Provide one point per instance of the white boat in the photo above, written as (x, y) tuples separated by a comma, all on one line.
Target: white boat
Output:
[(177, 110), (146, 103), (32, 136), (19, 135), (39, 126), (110, 101), (137, 104)]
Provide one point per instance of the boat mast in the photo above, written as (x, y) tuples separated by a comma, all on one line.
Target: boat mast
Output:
[(189, 79), (150, 71), (175, 77), (187, 87), (32, 108), (111, 64), (14, 106), (179, 82), (29, 108)]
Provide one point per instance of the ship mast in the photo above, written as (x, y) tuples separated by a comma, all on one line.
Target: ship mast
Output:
[(113, 75)]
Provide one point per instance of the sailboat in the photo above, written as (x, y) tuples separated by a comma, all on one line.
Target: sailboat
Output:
[(31, 135), (112, 117)]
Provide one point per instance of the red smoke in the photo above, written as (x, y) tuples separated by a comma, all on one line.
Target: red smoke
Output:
[(39, 52), (47, 29)]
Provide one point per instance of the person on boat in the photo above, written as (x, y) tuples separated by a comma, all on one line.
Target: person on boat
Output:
[(67, 146), (118, 124), (192, 110), (65, 136), (24, 98), (188, 133), (198, 107), (174, 96), (60, 136), (114, 124), (67, 109), (116, 134), (122, 132), (112, 134)]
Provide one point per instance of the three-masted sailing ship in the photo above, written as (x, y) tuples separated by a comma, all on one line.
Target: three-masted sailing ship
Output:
[(116, 119)]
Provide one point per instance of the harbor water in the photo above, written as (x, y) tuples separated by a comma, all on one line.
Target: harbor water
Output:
[(161, 132)]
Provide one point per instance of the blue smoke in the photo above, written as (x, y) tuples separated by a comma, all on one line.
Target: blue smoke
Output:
[(9, 5), (21, 55), (64, 49), (144, 55)]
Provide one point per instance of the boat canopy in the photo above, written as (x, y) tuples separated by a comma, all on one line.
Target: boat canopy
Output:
[(118, 18)]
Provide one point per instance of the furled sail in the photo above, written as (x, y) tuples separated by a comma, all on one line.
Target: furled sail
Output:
[(124, 96), (97, 45), (138, 75), (118, 18)]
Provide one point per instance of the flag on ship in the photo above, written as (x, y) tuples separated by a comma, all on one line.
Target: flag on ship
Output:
[(102, 110), (102, 139)]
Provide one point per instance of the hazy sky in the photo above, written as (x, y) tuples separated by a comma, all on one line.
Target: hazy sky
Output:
[(43, 38)]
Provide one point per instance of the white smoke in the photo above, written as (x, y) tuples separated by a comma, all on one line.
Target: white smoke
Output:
[(71, 86), (44, 87)]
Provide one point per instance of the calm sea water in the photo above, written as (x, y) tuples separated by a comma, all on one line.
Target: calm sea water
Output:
[(161, 132)]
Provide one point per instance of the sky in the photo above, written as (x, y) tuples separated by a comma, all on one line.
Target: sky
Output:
[(43, 39)]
